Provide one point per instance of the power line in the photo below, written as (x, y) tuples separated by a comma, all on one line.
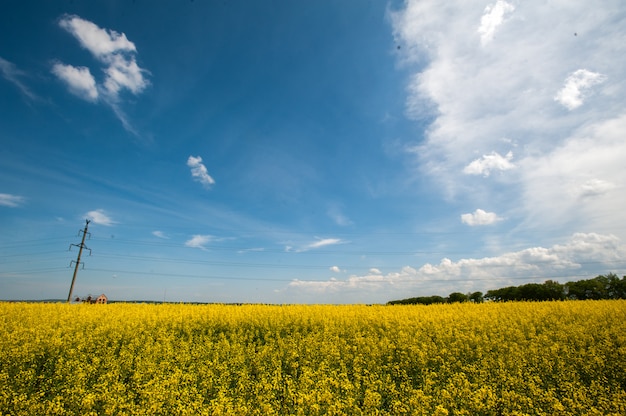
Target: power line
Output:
[(295, 265), (31, 243), (382, 279)]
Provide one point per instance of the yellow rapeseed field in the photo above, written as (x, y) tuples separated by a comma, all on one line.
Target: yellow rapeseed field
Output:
[(553, 358)]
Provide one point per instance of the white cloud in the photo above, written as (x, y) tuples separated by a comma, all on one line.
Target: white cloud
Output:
[(471, 96), (594, 187), (199, 172), (116, 53), (99, 216), (487, 163), (576, 86), (112, 49), (582, 180), (102, 43), (8, 200), (123, 73), (374, 270), (318, 243), (78, 79), (335, 269), (563, 262), (199, 241), (323, 243), (159, 234), (480, 217), (492, 18), (12, 74)]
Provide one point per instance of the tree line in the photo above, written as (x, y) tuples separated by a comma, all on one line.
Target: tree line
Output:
[(600, 287)]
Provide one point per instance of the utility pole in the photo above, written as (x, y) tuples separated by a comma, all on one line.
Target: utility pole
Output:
[(80, 246)]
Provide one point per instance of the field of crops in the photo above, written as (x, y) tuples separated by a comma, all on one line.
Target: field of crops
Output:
[(555, 358)]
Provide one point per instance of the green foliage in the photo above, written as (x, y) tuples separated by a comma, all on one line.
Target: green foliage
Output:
[(455, 297), (422, 300), (600, 287), (477, 297)]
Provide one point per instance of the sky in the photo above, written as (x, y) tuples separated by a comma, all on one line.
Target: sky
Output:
[(336, 151)]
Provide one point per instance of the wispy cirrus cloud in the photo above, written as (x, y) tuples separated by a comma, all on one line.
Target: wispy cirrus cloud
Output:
[(14, 75), (116, 53), (199, 172), (160, 234), (323, 242), (318, 243), (9, 200), (336, 214)]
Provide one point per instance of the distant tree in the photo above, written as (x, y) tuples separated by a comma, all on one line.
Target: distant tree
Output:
[(502, 295), (476, 297), (532, 291), (457, 297), (422, 300), (616, 286), (554, 290), (600, 287), (430, 300), (595, 288)]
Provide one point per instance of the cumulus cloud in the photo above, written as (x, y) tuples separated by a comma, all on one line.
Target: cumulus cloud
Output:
[(480, 217), (374, 270), (78, 79), (118, 56), (576, 86), (199, 172), (566, 261), (487, 163), (99, 216), (8, 200), (199, 241), (113, 50), (124, 73), (102, 43), (335, 269), (493, 17)]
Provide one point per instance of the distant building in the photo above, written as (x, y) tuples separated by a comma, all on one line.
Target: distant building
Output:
[(102, 299)]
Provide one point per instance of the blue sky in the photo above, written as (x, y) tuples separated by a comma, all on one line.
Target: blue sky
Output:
[(318, 152)]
